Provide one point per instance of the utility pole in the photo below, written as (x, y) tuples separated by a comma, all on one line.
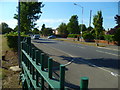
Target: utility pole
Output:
[(90, 18), (82, 19), (19, 44), (119, 8)]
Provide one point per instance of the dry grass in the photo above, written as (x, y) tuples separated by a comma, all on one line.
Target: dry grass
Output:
[(10, 78)]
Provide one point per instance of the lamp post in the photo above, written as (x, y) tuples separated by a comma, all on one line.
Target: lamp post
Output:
[(19, 45), (82, 19)]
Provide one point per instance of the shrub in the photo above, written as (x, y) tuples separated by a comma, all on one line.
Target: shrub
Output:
[(73, 35), (12, 39), (88, 36), (109, 37), (116, 36)]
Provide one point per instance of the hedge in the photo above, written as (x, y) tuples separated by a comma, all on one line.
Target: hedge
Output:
[(109, 38), (12, 40), (72, 35), (88, 36)]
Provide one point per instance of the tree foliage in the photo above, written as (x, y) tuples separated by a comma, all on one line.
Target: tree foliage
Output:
[(72, 26), (43, 27), (62, 29), (89, 28), (35, 31), (47, 31), (4, 28), (117, 19), (98, 22), (29, 13), (82, 27), (117, 30)]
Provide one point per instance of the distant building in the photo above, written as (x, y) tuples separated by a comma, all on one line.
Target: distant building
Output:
[(55, 31)]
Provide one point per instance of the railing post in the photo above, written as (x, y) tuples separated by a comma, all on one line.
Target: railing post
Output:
[(21, 51), (37, 79), (32, 67), (42, 83), (37, 56), (29, 56), (42, 68), (84, 83), (25, 48), (33, 54), (42, 61), (62, 77), (50, 63), (27, 60)]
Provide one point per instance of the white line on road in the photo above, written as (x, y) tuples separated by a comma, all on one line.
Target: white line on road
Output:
[(107, 53), (77, 46), (109, 48), (112, 73)]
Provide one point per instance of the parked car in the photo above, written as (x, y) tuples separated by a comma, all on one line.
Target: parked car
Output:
[(51, 37), (36, 36)]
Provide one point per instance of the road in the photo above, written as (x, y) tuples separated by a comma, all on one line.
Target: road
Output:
[(99, 64)]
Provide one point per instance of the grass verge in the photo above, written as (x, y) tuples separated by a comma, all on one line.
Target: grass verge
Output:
[(10, 78)]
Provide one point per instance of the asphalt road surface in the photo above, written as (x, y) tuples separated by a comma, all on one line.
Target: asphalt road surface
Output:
[(97, 63)]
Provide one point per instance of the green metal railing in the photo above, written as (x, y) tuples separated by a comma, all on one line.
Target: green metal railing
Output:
[(33, 71), (34, 74)]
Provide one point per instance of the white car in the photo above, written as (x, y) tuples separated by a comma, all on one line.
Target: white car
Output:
[(51, 37), (36, 36)]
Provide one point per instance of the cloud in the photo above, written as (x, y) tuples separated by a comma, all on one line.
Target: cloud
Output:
[(11, 23), (51, 21)]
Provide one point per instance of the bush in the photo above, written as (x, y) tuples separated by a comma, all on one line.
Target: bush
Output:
[(12, 39), (88, 36), (73, 35), (109, 37), (116, 36)]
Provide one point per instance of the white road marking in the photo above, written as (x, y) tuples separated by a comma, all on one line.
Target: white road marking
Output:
[(107, 53), (109, 48), (112, 73), (77, 46)]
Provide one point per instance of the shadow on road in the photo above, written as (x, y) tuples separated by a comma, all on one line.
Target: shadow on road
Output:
[(100, 62), (48, 42), (56, 71)]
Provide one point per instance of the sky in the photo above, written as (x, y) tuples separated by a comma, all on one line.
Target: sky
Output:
[(54, 13)]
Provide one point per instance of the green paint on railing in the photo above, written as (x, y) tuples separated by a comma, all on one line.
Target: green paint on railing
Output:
[(84, 83), (34, 73)]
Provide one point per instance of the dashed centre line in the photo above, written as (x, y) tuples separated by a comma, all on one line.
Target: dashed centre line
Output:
[(107, 53)]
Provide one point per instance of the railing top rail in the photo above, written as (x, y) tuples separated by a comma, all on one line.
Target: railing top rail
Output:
[(52, 82)]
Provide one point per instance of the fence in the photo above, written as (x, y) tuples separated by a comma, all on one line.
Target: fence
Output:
[(34, 75)]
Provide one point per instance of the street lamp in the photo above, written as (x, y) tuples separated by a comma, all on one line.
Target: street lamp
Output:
[(82, 18), (19, 45)]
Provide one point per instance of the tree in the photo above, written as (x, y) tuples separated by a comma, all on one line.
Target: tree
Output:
[(62, 29), (83, 27), (47, 31), (29, 13), (35, 31), (43, 27), (117, 30), (97, 22), (89, 28), (117, 19), (72, 26), (5, 28), (117, 36)]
